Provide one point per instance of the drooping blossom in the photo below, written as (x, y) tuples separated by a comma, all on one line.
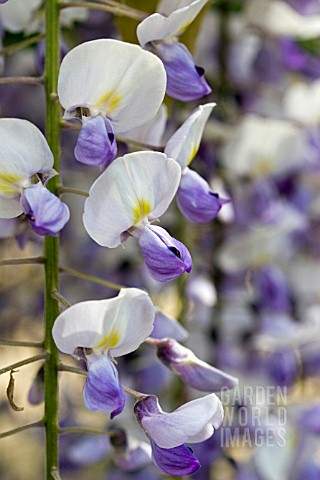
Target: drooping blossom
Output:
[(105, 329), (195, 198), (113, 87), (159, 33), (193, 371), (136, 189), (168, 433), (17, 15), (26, 159)]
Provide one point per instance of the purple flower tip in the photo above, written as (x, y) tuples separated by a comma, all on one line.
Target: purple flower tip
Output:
[(96, 144), (196, 200), (178, 461), (46, 213), (185, 80), (103, 390), (165, 257)]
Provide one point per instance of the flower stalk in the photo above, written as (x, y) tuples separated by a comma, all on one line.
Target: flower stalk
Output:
[(51, 246)]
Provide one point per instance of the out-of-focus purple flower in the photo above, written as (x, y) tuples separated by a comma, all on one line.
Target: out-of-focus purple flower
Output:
[(297, 58), (129, 455), (36, 392), (89, 450), (283, 367), (185, 80), (310, 419), (196, 200), (272, 289), (96, 144), (102, 390), (46, 213), (192, 370), (41, 51), (165, 257), (3, 1)]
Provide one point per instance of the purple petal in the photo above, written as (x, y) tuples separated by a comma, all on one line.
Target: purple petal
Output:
[(196, 200), (46, 213), (177, 461), (89, 450), (96, 144), (272, 289), (194, 372), (103, 390), (165, 257), (185, 80)]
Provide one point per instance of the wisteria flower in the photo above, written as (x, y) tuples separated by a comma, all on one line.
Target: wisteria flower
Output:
[(136, 189), (113, 87), (193, 371), (26, 158), (105, 329), (159, 33), (17, 15), (195, 198), (193, 422)]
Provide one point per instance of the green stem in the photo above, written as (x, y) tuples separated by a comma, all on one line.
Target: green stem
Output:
[(26, 361), (82, 430), (91, 278), (51, 244), (22, 261), (32, 80), (20, 429), (73, 191), (120, 10), (17, 343), (61, 299), (15, 47)]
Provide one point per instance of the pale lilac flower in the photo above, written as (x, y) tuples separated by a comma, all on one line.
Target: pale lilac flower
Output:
[(134, 190), (193, 422), (46, 213), (192, 370), (159, 33), (118, 81), (105, 329), (17, 15)]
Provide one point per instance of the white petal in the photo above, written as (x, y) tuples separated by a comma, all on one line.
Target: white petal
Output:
[(185, 142), (118, 325), (193, 422), (10, 207), (160, 27), (116, 79), (132, 188), (302, 102), (16, 15), (23, 149), (151, 132)]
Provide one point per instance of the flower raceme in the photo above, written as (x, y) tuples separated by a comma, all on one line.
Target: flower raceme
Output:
[(105, 329), (159, 32), (113, 87), (196, 200), (134, 190), (25, 158), (193, 422)]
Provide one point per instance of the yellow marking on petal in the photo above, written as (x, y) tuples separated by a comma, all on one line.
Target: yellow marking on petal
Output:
[(193, 153), (264, 166), (110, 101), (184, 27), (9, 183), (141, 210), (109, 341)]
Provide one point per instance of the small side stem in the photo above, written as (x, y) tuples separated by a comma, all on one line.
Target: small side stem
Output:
[(36, 358), (31, 80), (120, 10), (60, 298), (17, 343), (22, 261), (15, 47), (20, 429), (73, 191), (82, 430), (90, 278)]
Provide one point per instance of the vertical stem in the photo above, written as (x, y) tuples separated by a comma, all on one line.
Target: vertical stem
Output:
[(51, 246)]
